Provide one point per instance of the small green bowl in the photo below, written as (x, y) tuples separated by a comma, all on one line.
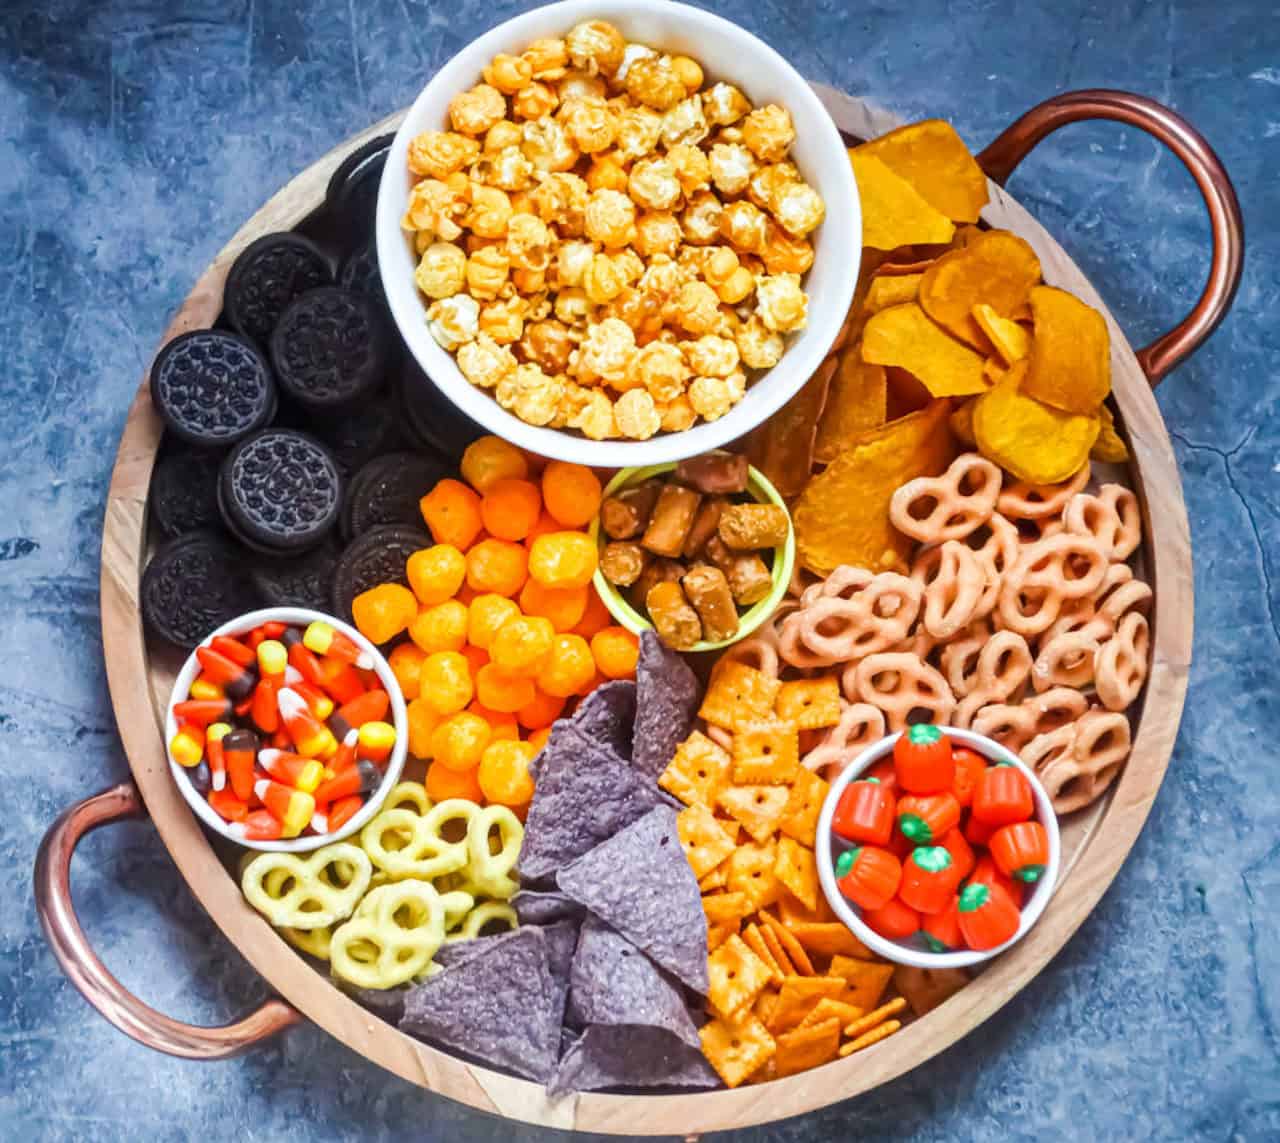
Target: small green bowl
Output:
[(784, 558)]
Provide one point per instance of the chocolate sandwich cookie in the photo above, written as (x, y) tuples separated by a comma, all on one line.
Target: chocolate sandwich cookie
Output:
[(352, 194), (192, 585), (355, 438), (330, 349), (212, 388), (360, 273), (432, 421), (387, 491), (184, 492), (280, 491), (267, 276), (378, 556), (297, 581)]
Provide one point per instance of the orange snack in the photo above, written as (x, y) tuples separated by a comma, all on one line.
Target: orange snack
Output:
[(594, 618), (422, 724), (490, 459), (501, 724), (382, 612), (436, 573), (521, 644), (546, 523), (440, 628), (541, 712), (443, 783), (502, 690), (569, 667), (615, 650), (499, 566), (460, 740), (571, 493), (563, 559), (504, 773), (452, 513), (445, 681), (538, 739), (405, 663), (476, 656), (486, 616), (564, 606), (510, 508)]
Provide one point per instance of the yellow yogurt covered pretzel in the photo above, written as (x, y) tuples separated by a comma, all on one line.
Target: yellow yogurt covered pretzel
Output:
[(487, 871), (408, 794), (482, 915), (308, 892), (402, 843), (392, 937)]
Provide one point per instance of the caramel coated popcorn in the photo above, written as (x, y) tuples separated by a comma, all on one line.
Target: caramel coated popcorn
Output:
[(606, 242)]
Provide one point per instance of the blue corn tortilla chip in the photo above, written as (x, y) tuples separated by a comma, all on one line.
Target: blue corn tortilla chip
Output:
[(613, 982), (583, 795), (454, 952), (497, 1006), (623, 1056), (388, 1003), (608, 715), (561, 940), (534, 907), (666, 705), (639, 882)]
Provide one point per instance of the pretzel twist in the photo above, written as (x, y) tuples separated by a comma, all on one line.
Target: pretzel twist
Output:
[(1048, 574), (933, 509), (1066, 660), (860, 725), (1003, 667), (959, 658), (308, 892), (402, 843), (899, 685), (954, 581), (489, 872), (842, 628), (1111, 517), (1076, 763), (393, 936), (1120, 664), (1023, 501)]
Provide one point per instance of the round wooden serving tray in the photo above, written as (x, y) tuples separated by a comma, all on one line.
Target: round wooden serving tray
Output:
[(1094, 842)]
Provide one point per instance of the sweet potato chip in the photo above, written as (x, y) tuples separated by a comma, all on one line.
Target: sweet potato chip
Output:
[(926, 988), (807, 1048), (935, 161), (856, 401), (997, 269), (704, 840), (736, 1048), (738, 694), (751, 874), (1109, 446), (799, 996), (797, 869), (1070, 360), (904, 394), (828, 938), (1009, 339), (754, 940), (892, 290), (697, 771), (906, 336), (842, 517), (893, 213), (757, 808), (993, 369), (783, 447), (1035, 442), (736, 975), (961, 422), (765, 752)]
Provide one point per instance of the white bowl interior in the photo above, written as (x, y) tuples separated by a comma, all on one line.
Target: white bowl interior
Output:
[(899, 951), (726, 52), (297, 616)]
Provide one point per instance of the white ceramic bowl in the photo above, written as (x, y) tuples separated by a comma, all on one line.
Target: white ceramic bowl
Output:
[(298, 616), (902, 952), (726, 52)]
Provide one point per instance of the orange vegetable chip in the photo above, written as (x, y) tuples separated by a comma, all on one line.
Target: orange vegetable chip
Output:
[(1010, 340), (1109, 446), (807, 1047), (865, 980), (799, 996), (736, 976), (704, 840), (997, 269), (842, 517), (756, 808), (993, 370), (856, 401), (892, 290), (903, 393), (893, 212), (1070, 361), (961, 422), (782, 448), (1034, 441), (926, 988), (906, 336), (736, 1048), (797, 869), (934, 160)]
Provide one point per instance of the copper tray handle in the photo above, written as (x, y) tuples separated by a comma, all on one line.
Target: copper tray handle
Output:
[(1017, 141), (90, 975)]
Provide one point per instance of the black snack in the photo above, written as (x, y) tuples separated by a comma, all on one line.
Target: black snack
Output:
[(352, 194), (387, 491), (192, 585), (330, 349), (266, 277), (433, 421), (184, 492), (360, 273), (298, 581), (376, 557), (368, 431), (212, 388), (280, 491)]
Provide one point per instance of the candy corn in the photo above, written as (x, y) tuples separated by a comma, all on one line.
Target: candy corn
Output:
[(260, 825), (240, 749), (213, 737), (187, 745), (376, 741), (303, 774), (291, 808), (236, 679), (311, 737), (324, 639)]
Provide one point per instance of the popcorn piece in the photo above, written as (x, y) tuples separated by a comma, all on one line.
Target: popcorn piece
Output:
[(439, 153), (688, 71), (710, 397), (547, 343), (596, 47), (769, 132), (595, 420), (661, 279), (745, 226), (697, 307), (784, 254), (610, 218), (574, 399), (534, 101), (487, 271), (509, 169), (781, 303), (692, 168), (530, 394), (591, 124), (572, 260), (701, 218), (501, 136), (660, 369), (548, 57), (760, 347), (528, 242), (508, 74), (685, 123), (571, 305), (503, 320), (723, 104), (606, 351), (630, 54), (484, 362), (441, 271), (547, 146), (711, 356), (737, 286), (639, 129), (435, 208), (453, 321), (658, 232), (677, 415), (636, 415), (490, 212), (578, 85), (652, 80), (798, 207), (732, 166), (604, 279), (769, 181), (607, 173), (474, 112), (653, 185), (560, 200)]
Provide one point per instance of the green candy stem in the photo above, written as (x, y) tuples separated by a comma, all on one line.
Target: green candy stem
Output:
[(923, 734), (1029, 873), (846, 860), (931, 858), (870, 781), (933, 944), (915, 828), (973, 897)]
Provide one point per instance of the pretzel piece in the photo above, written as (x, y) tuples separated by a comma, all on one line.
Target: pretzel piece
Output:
[(860, 725), (393, 936), (1003, 666), (1111, 517), (899, 685), (933, 509), (997, 553), (488, 872), (872, 619), (1066, 660), (1079, 761), (402, 843), (1023, 501), (954, 581), (959, 658), (308, 892), (1048, 574), (1120, 664), (1016, 725)]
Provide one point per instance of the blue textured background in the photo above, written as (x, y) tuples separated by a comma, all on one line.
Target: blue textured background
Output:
[(136, 137)]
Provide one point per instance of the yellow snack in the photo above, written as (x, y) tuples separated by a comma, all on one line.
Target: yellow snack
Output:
[(705, 841), (1069, 366), (738, 694), (381, 947), (997, 269), (422, 850), (323, 887), (856, 401), (765, 751), (736, 977), (934, 160), (408, 794), (810, 703), (893, 213), (1109, 446), (891, 290), (489, 913), (489, 869), (756, 808), (808, 1047), (313, 942), (797, 869), (1009, 339), (799, 996), (905, 336), (697, 770), (961, 422), (800, 817), (865, 982)]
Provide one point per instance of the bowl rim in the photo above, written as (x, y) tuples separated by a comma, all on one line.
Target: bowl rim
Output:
[(893, 950), (395, 764), (749, 621), (839, 243)]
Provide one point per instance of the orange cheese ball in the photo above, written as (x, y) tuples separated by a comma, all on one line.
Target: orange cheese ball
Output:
[(569, 667), (546, 524), (501, 690), (405, 663), (382, 612), (540, 713), (499, 566), (422, 721), (445, 682), (564, 606), (459, 741), (436, 573), (476, 656), (538, 739), (501, 725), (490, 459), (440, 628), (511, 508), (615, 650), (571, 493), (595, 617), (504, 773), (486, 616), (443, 784), (563, 559), (521, 644), (452, 513)]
